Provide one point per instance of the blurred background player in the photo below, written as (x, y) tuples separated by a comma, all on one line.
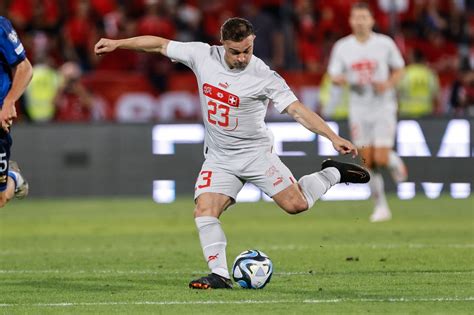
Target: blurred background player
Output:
[(371, 64), (15, 74), (235, 88)]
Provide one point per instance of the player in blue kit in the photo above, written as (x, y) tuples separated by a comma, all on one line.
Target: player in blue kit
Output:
[(15, 74)]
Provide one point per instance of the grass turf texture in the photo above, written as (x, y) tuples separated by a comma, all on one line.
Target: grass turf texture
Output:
[(135, 256)]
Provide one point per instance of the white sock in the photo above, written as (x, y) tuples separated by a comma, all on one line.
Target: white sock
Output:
[(377, 189), (17, 178), (396, 167), (213, 243), (315, 185)]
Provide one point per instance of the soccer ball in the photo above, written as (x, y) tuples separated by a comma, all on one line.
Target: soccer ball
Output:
[(252, 269)]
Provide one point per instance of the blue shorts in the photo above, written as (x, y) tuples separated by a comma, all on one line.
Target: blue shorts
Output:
[(5, 145)]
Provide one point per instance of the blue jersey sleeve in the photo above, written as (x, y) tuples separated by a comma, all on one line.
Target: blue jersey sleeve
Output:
[(10, 45)]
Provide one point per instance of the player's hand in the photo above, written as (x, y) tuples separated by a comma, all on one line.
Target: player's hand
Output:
[(339, 80), (381, 87), (344, 146), (6, 125), (7, 114), (105, 45)]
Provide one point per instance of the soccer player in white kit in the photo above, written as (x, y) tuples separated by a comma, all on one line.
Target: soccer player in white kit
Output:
[(235, 88), (371, 64)]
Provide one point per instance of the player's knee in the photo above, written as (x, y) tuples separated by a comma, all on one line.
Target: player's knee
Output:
[(296, 206), (201, 211), (381, 161)]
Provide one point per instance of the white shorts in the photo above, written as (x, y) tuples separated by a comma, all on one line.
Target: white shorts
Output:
[(374, 129), (227, 174)]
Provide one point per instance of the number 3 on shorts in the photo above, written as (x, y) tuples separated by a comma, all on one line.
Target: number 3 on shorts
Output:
[(204, 176), (3, 162)]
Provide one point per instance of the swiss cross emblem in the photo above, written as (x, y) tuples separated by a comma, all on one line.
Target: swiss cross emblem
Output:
[(222, 96), (207, 90), (232, 100)]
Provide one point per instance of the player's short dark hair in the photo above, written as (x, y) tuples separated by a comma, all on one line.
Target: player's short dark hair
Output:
[(362, 6), (236, 29)]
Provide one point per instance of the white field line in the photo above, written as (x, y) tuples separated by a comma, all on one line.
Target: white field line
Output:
[(312, 301), (183, 273), (374, 246), (8, 252)]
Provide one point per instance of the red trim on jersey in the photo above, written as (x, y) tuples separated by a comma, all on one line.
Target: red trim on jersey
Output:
[(220, 95)]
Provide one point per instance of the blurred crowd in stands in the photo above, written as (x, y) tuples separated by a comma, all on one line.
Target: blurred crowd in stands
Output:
[(435, 36)]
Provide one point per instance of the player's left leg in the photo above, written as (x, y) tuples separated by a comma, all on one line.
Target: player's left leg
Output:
[(397, 168), (12, 182), (16, 185), (276, 180), (311, 187), (9, 192)]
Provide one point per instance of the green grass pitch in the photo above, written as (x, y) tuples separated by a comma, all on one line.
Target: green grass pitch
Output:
[(134, 256)]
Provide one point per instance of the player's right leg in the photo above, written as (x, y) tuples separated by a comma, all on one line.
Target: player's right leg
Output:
[(209, 207), (383, 140), (216, 189), (379, 158)]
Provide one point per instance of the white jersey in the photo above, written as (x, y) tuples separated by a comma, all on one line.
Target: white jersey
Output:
[(363, 64), (233, 102)]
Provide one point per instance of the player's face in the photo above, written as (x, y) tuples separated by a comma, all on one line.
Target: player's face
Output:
[(361, 21), (238, 54)]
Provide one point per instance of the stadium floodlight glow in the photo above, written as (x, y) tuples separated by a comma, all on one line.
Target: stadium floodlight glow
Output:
[(249, 193), (456, 139), (347, 192), (406, 190), (410, 139), (432, 190), (266, 198), (164, 191), (289, 132), (460, 190), (165, 136), (456, 142)]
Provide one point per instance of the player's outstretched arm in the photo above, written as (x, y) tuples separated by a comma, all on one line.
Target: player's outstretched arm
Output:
[(313, 122), (147, 43), (21, 77)]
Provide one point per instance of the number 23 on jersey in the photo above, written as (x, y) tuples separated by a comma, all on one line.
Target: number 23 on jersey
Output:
[(219, 106)]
